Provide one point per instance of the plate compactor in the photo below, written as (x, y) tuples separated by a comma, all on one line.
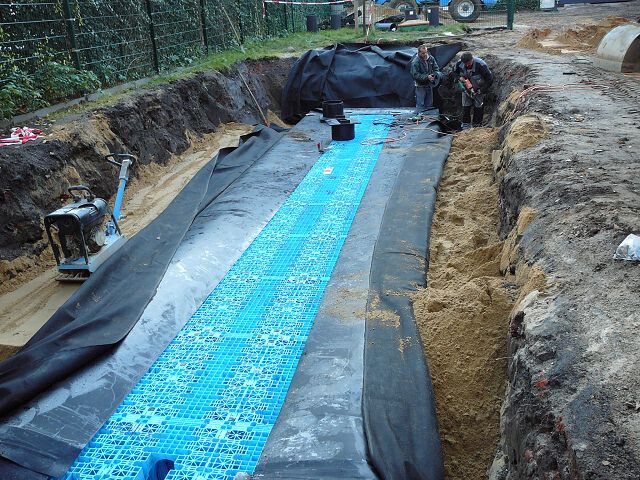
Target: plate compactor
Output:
[(81, 234)]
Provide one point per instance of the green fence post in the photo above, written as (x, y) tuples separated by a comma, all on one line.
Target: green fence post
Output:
[(241, 25), (71, 33), (364, 16), (293, 18), (152, 34), (511, 13), (203, 20)]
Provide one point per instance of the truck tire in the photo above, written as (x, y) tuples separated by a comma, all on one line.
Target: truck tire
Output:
[(465, 11), (404, 5)]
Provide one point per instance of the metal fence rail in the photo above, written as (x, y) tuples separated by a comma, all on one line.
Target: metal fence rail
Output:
[(51, 50), (125, 39), (108, 42)]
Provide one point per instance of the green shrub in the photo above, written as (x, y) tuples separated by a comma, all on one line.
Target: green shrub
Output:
[(58, 81), (19, 94)]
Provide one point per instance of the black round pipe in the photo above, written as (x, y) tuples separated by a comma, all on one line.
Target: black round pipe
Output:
[(332, 109)]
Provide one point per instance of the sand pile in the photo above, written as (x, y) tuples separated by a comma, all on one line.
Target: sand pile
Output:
[(532, 39), (463, 313), (588, 37), (580, 38), (524, 132)]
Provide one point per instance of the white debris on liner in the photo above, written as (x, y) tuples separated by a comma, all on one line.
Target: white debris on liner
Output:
[(629, 249)]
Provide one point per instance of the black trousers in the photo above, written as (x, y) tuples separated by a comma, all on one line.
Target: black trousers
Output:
[(478, 113)]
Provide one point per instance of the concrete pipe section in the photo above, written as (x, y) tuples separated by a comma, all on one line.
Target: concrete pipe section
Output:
[(619, 50)]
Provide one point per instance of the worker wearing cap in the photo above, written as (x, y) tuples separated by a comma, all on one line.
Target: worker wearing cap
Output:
[(426, 73), (474, 79)]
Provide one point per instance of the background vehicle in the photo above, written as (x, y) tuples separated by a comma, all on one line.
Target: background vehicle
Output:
[(460, 10)]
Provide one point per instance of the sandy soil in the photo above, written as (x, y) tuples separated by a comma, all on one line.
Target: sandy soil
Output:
[(581, 37), (31, 297), (463, 314)]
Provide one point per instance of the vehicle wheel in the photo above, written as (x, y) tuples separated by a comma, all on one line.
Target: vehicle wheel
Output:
[(465, 11), (403, 5)]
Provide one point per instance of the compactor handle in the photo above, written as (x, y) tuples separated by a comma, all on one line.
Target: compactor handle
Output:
[(112, 158), (80, 188)]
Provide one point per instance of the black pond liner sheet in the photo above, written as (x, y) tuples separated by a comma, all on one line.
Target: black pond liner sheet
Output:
[(346, 417), (397, 399), (362, 76), (105, 309)]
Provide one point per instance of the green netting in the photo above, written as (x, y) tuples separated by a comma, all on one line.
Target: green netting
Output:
[(84, 44)]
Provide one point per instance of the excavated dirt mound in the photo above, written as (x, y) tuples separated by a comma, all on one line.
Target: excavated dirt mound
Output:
[(588, 37), (581, 38), (533, 38)]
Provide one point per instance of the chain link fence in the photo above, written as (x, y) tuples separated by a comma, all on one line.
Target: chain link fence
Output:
[(54, 50)]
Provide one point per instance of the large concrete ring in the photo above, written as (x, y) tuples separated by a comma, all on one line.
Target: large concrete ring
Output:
[(619, 50)]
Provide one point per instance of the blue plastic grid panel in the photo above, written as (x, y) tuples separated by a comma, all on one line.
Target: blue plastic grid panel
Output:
[(210, 400)]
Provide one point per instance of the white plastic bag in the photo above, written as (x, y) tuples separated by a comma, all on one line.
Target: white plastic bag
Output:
[(629, 249)]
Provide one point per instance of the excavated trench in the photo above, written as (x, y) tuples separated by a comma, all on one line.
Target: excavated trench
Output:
[(475, 276)]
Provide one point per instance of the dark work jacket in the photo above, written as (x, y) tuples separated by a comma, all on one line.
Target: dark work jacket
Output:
[(420, 71), (479, 73)]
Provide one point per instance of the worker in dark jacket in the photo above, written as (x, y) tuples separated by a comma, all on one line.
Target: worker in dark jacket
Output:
[(474, 79), (426, 74)]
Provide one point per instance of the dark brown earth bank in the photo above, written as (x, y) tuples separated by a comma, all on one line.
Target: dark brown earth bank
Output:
[(572, 406), (153, 125)]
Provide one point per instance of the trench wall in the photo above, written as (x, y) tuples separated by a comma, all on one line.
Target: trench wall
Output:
[(153, 124)]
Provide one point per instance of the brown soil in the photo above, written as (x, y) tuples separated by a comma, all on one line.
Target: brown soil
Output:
[(580, 38), (588, 37), (173, 130), (157, 185), (533, 38), (464, 313)]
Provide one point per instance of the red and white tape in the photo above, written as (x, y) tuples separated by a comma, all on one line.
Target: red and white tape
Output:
[(20, 136)]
